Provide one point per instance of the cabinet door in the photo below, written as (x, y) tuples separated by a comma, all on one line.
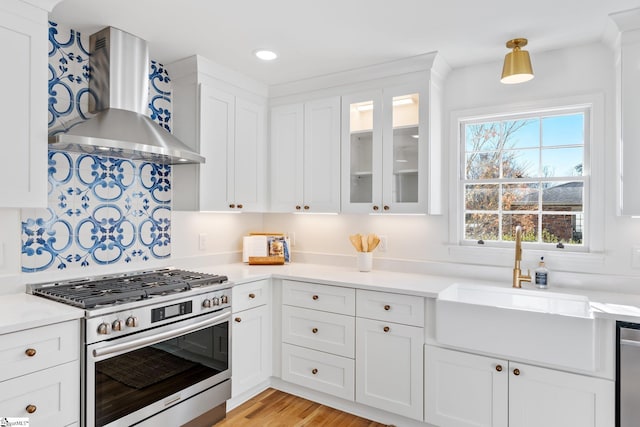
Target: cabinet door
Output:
[(53, 394), (23, 116), (287, 133), (362, 153), (405, 150), (465, 390), (250, 349), (545, 397), (217, 130), (389, 367), (322, 155), (247, 171)]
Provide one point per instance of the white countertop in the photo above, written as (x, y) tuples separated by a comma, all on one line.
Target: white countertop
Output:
[(23, 311)]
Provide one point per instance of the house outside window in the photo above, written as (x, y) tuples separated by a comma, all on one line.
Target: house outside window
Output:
[(529, 169)]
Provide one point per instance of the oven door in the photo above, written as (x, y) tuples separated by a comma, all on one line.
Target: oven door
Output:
[(134, 377)]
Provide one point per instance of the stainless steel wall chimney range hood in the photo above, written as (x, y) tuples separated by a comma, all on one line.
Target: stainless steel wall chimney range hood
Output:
[(120, 128)]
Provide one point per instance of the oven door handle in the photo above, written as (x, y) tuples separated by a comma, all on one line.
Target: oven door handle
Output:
[(154, 339)]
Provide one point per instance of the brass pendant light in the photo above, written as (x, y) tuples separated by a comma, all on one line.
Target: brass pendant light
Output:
[(517, 64)]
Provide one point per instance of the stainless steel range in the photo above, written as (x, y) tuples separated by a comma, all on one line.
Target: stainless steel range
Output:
[(156, 346)]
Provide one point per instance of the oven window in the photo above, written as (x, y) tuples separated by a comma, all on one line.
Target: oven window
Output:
[(133, 380)]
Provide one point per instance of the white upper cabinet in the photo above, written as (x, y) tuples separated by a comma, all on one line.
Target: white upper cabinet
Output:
[(23, 113), (628, 110), (222, 116), (391, 148), (385, 151), (305, 156)]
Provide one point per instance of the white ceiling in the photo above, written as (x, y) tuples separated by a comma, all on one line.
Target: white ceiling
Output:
[(316, 37)]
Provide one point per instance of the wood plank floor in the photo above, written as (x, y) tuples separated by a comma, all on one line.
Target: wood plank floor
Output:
[(274, 408)]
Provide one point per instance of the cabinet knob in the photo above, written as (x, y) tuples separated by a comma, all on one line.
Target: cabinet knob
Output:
[(516, 372), (315, 297), (232, 206), (386, 208), (386, 329), (240, 206), (237, 319), (499, 368), (30, 352), (375, 207), (252, 296), (314, 330), (298, 207), (314, 371), (306, 207), (387, 307), (31, 408)]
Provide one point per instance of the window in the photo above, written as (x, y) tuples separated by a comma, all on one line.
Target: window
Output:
[(529, 169)]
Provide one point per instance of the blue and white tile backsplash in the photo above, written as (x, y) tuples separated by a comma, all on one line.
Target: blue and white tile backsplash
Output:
[(101, 210)]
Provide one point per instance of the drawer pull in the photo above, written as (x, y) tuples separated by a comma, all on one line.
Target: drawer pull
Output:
[(314, 330), (232, 206), (252, 296), (237, 319), (240, 206), (314, 371), (387, 307), (315, 297), (499, 368), (386, 329), (30, 352), (31, 408), (516, 372)]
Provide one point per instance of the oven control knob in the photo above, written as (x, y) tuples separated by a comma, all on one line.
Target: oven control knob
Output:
[(132, 321), (116, 325), (224, 299), (104, 329), (206, 303), (216, 301)]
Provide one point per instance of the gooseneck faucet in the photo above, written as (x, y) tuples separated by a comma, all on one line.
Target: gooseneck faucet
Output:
[(518, 277)]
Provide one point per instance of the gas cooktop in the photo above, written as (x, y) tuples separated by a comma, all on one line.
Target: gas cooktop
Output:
[(119, 289)]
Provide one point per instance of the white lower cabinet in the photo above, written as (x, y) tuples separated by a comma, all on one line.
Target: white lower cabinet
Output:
[(318, 370), (40, 374), (465, 390), (250, 347), (389, 366)]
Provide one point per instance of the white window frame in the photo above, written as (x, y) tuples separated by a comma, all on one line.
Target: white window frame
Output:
[(470, 251)]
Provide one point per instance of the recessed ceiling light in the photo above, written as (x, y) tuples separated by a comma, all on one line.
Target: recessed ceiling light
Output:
[(265, 55)]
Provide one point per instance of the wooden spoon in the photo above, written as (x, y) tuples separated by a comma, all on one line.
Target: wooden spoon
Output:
[(370, 241), (365, 246), (375, 241), (356, 241)]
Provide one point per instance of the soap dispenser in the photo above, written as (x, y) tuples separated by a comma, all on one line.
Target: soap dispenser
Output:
[(542, 275)]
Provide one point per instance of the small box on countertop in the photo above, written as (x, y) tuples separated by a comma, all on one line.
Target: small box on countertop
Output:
[(266, 248)]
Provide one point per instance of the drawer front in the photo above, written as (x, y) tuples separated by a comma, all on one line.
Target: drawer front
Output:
[(334, 299), (328, 332), (54, 393), (249, 295), (388, 307), (38, 348), (319, 371)]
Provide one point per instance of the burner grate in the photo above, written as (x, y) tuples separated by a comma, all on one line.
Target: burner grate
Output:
[(90, 293)]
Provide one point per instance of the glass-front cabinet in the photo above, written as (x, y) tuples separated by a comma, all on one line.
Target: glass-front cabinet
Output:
[(385, 151)]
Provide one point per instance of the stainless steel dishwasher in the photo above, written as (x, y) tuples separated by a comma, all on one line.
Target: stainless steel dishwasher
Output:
[(628, 375)]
